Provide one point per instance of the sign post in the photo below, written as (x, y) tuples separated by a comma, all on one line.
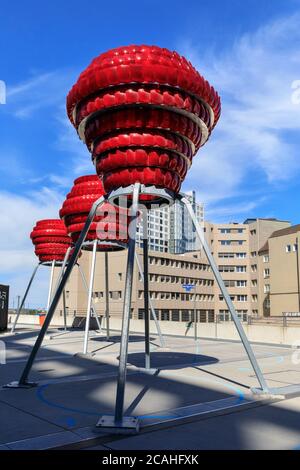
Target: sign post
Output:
[(188, 289)]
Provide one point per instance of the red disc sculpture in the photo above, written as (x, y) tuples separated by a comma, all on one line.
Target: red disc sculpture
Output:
[(110, 225), (143, 112), (51, 240)]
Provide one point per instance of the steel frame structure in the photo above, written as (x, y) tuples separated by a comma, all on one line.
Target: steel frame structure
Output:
[(53, 265), (118, 423)]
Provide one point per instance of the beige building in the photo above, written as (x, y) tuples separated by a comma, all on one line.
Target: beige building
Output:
[(279, 270), (167, 275), (236, 250)]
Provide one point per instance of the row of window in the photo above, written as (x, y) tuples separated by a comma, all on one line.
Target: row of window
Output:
[(232, 269), (231, 230), (233, 283), (182, 296), (238, 297), (290, 248), (232, 242), (157, 261), (183, 315), (232, 255), (178, 280)]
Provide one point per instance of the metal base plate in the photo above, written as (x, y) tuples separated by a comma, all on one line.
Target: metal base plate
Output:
[(82, 355), (287, 391), (17, 384), (129, 425)]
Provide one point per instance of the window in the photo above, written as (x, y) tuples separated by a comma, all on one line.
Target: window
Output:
[(254, 268), (241, 255), (241, 283), (288, 248), (266, 288), (253, 232), (140, 314), (266, 258), (253, 254), (295, 247), (120, 276), (175, 315), (115, 294), (254, 298), (241, 298), (185, 315), (266, 273), (165, 315), (241, 269), (226, 255)]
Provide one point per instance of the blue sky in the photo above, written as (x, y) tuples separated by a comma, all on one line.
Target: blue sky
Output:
[(249, 50)]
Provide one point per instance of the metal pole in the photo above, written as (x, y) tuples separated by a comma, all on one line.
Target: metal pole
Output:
[(161, 338), (24, 298), (127, 308), (63, 266), (90, 296), (64, 310), (50, 284), (56, 297), (146, 289), (87, 291), (226, 296), (106, 295)]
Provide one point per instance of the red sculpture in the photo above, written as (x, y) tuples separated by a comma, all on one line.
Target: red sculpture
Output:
[(51, 240), (109, 224), (143, 112)]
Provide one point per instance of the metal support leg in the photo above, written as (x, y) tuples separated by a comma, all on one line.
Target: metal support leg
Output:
[(50, 284), (146, 290), (90, 295), (92, 304), (106, 295), (24, 298), (24, 376), (161, 338), (119, 421), (64, 310), (227, 298)]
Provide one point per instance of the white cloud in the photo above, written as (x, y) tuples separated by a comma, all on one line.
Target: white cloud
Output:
[(256, 136), (40, 91), (17, 259)]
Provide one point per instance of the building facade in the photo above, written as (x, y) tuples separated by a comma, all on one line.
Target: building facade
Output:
[(280, 271), (170, 229), (182, 286)]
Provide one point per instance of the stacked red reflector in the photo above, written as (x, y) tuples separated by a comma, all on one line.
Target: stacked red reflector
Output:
[(51, 240), (143, 112), (110, 222)]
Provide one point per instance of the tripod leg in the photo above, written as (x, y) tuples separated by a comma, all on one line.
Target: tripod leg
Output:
[(24, 376), (161, 338), (227, 298), (127, 309), (24, 298), (146, 290), (87, 291), (90, 295), (64, 310), (106, 296), (50, 284)]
